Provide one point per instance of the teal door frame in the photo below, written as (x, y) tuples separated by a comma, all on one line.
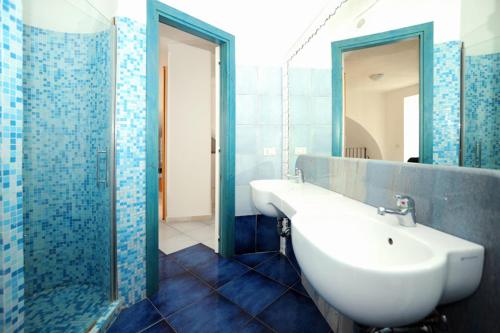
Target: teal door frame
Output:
[(424, 32), (157, 13)]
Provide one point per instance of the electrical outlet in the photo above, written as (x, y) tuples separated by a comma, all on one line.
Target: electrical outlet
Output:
[(300, 150)]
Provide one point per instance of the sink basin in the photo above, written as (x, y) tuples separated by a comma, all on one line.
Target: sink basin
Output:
[(367, 266), (263, 194)]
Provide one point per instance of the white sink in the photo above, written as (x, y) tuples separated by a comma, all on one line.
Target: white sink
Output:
[(263, 194), (367, 266)]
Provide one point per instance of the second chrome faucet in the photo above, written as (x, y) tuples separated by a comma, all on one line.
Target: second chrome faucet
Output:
[(299, 176), (405, 209)]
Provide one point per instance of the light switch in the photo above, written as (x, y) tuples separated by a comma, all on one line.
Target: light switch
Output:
[(300, 150), (270, 151)]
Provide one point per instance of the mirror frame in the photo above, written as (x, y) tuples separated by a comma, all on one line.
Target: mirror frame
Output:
[(425, 33)]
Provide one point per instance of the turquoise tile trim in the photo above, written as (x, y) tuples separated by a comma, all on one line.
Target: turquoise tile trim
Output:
[(130, 127), (11, 182), (482, 111), (159, 12), (425, 34), (446, 116)]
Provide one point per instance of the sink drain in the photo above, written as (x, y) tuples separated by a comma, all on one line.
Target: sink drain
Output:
[(390, 241)]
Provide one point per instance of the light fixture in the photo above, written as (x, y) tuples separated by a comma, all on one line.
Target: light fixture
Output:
[(376, 76), (360, 23)]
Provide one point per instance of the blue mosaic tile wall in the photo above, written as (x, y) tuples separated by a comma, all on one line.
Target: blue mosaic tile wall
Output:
[(310, 109), (131, 159), (11, 145), (258, 126), (446, 117), (482, 111), (67, 103)]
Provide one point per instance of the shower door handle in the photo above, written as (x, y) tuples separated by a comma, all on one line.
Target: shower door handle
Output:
[(478, 153), (104, 181)]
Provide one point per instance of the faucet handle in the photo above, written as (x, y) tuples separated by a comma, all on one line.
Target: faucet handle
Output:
[(404, 201)]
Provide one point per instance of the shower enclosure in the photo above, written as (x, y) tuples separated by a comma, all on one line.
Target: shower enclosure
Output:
[(68, 159)]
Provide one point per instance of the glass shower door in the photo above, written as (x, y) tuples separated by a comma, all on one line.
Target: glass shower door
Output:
[(481, 84), (67, 165)]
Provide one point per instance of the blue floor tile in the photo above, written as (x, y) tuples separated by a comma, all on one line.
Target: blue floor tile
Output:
[(135, 318), (161, 255), (254, 259), (194, 255), (267, 237), (219, 271), (252, 291), (255, 326), (169, 268), (213, 313), (294, 313), (300, 288), (279, 268), (179, 291), (160, 327), (244, 234)]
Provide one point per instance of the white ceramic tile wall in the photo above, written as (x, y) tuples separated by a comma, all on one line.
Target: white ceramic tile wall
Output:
[(258, 127)]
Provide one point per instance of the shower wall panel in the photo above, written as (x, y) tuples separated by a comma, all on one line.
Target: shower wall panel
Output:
[(67, 108)]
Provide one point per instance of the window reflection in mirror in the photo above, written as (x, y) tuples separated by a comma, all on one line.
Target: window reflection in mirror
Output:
[(381, 104)]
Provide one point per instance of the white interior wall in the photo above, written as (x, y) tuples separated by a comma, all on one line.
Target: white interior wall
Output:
[(189, 131), (366, 109), (379, 16), (480, 28), (380, 115), (394, 118), (76, 16)]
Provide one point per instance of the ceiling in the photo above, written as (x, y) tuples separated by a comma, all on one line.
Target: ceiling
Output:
[(265, 30), (399, 62), (169, 35)]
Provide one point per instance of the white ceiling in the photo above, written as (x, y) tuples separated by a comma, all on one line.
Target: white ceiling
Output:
[(399, 62), (264, 30), (169, 35)]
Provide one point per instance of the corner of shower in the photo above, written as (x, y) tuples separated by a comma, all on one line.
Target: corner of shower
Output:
[(69, 67)]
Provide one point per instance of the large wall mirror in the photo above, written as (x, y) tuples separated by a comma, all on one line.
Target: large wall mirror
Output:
[(421, 85)]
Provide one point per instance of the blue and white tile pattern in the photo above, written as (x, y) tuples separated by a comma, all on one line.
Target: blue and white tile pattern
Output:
[(131, 159), (11, 182), (446, 116)]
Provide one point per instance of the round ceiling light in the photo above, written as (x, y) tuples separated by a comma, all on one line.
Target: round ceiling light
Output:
[(376, 77)]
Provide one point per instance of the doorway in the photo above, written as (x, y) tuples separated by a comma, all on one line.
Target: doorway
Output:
[(188, 140), (158, 14)]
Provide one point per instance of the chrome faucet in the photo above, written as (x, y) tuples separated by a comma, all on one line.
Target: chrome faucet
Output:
[(299, 176), (406, 209)]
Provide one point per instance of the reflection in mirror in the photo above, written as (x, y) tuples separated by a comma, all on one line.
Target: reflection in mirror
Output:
[(480, 27), (465, 116), (381, 104)]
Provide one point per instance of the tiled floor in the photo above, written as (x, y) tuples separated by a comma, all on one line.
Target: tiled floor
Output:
[(175, 236), (203, 292), (72, 308)]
